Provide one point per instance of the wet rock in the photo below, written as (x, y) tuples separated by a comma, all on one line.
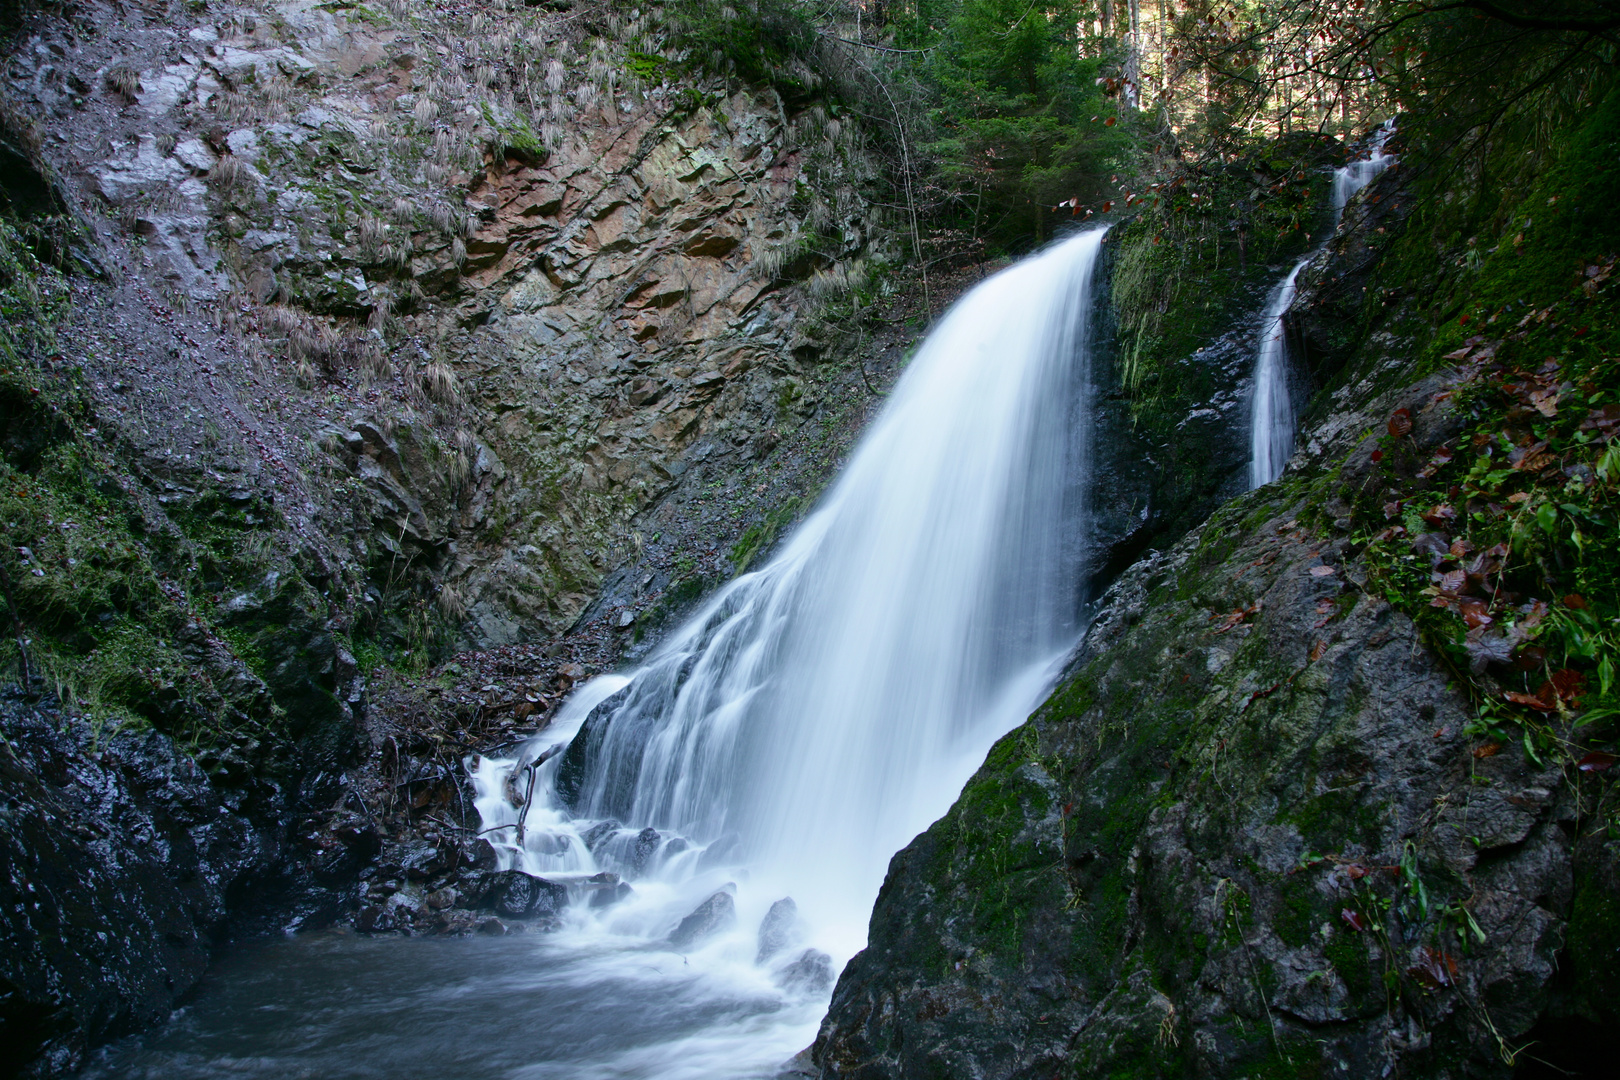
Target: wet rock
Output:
[(375, 919), (479, 855), (810, 973), (516, 895), (716, 914), (427, 860), (599, 833), (116, 855), (491, 927), (643, 849), (776, 931), (439, 899), (609, 894)]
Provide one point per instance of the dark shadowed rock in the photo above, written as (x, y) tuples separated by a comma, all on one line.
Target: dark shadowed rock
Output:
[(646, 843), (608, 895), (116, 856), (776, 930), (716, 914)]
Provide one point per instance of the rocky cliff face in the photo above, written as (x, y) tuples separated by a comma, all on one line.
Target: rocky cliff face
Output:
[(509, 291), (379, 333)]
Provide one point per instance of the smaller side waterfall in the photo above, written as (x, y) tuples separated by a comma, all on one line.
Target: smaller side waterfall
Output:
[(1272, 418), (1271, 427)]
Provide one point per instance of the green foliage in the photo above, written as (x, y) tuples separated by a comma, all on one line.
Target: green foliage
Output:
[(1016, 121), (1525, 495)]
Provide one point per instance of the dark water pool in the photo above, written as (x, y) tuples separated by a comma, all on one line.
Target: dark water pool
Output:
[(332, 1006)]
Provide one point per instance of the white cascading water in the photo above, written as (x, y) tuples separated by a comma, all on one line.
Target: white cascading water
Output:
[(817, 714), (1271, 420)]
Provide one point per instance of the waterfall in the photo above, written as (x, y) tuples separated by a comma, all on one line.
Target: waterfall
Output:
[(1271, 420), (818, 713)]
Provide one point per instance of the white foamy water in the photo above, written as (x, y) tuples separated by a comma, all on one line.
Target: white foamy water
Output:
[(817, 714), (1272, 415)]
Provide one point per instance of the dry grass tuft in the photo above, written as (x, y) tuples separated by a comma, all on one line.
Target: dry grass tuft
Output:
[(124, 80), (439, 384), (227, 173), (372, 232), (451, 603)]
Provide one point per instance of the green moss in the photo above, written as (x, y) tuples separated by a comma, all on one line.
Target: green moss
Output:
[(1347, 952), (760, 537), (1594, 949)]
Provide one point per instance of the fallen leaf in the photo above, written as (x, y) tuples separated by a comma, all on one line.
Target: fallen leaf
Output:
[(1400, 423), (1352, 920), (1596, 761), (1435, 545), (1485, 649), (1321, 571), (1490, 749), (1529, 657), (1474, 613), (1566, 685), (1434, 969), (1575, 600), (1530, 701), (1377, 456), (1545, 402), (1519, 497), (1453, 582), (1356, 871), (1531, 458), (1317, 650), (1441, 514)]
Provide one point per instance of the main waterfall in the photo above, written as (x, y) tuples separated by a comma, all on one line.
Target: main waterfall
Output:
[(817, 714)]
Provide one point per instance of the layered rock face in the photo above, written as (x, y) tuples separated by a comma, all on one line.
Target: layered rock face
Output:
[(529, 289)]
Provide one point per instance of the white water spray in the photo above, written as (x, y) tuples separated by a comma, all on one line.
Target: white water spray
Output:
[(1271, 422), (817, 714)]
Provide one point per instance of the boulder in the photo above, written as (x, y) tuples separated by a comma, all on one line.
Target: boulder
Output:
[(716, 914), (810, 973), (597, 834), (514, 894), (777, 929), (645, 846), (426, 860), (479, 855)]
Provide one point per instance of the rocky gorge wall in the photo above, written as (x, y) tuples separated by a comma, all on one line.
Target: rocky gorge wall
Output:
[(339, 339)]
